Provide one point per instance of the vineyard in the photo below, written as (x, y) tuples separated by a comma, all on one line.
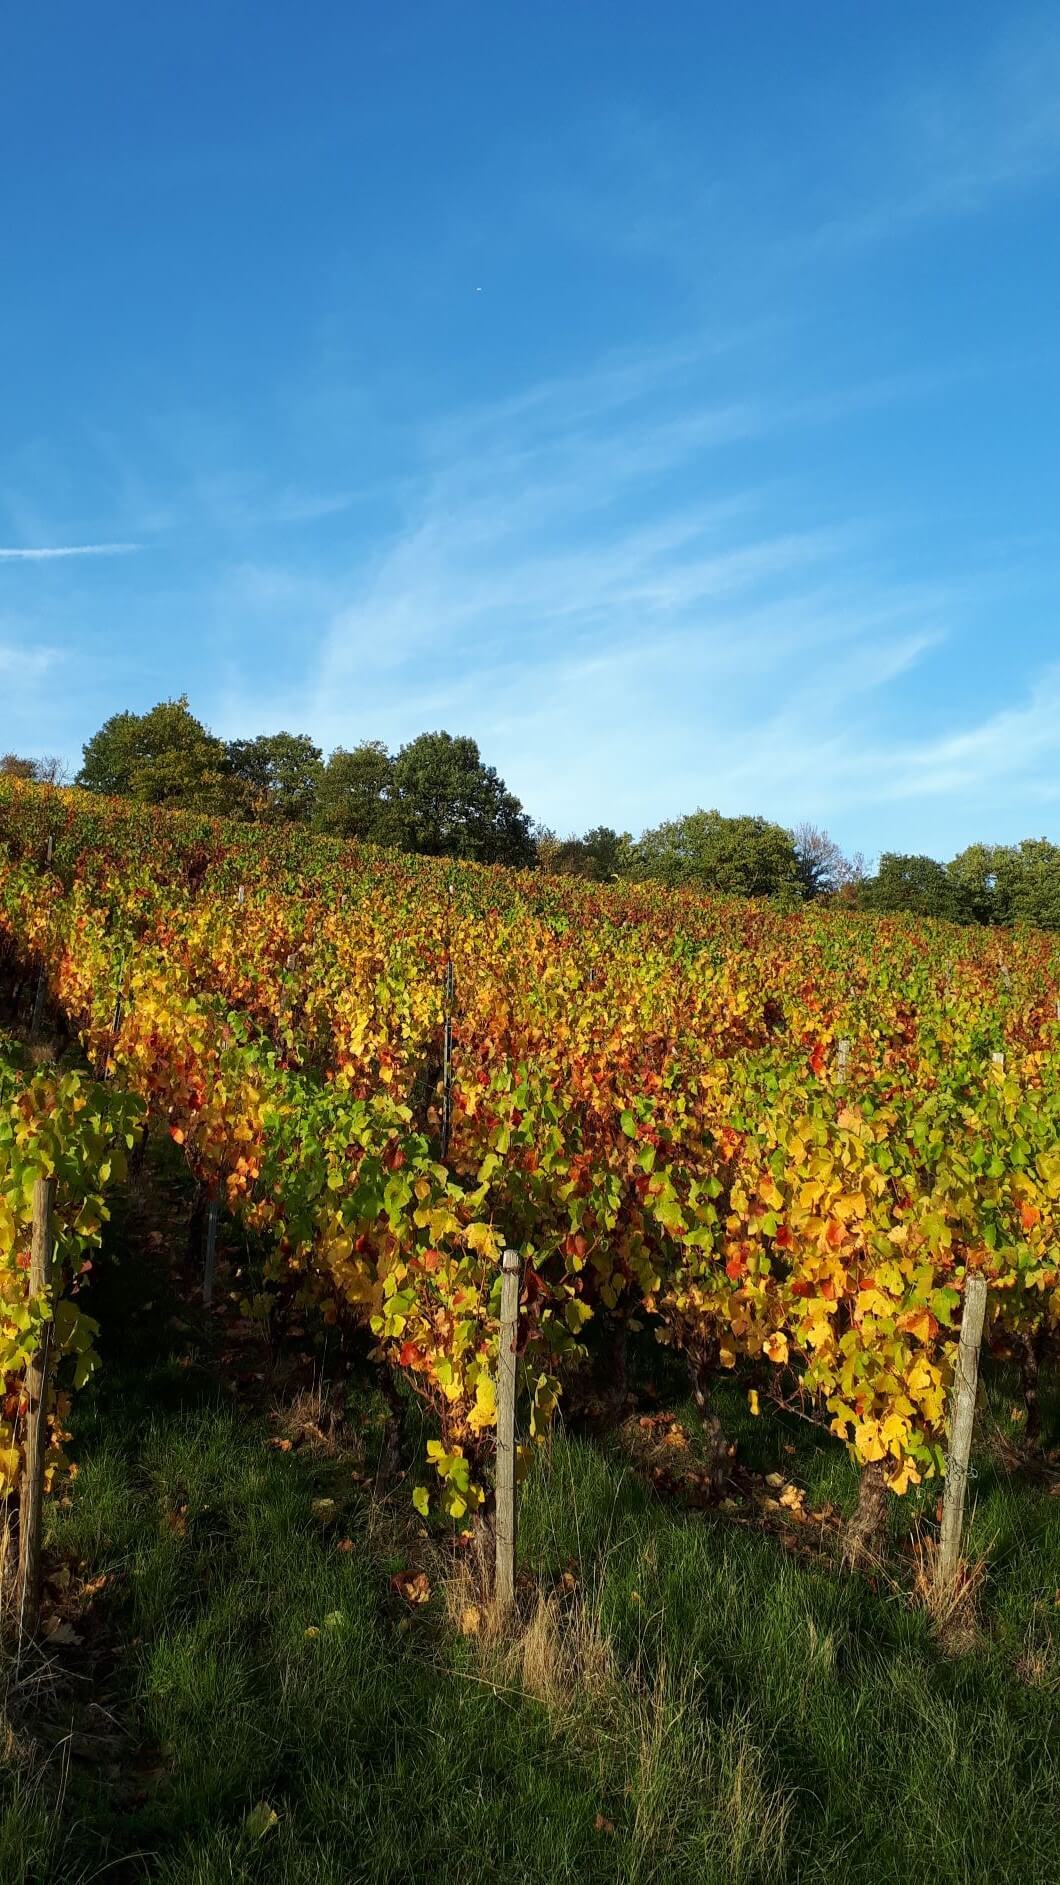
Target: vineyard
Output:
[(75, 1131), (767, 1166), (780, 1142)]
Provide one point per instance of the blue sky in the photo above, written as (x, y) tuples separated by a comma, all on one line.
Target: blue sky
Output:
[(667, 396)]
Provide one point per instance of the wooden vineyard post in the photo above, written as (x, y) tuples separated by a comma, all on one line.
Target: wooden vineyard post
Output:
[(842, 1061), (38, 1003), (115, 1030), (31, 1501), (504, 1584), (447, 1062), (962, 1420), (210, 1263), (448, 991)]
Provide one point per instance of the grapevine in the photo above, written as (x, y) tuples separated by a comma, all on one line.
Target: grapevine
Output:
[(647, 1100)]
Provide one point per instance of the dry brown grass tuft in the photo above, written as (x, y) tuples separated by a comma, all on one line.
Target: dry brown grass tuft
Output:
[(553, 1650), (562, 1658), (690, 1792), (1038, 1663), (697, 1788), (952, 1604), (309, 1420)]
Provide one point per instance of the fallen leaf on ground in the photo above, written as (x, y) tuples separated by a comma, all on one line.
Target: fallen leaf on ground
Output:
[(57, 1630), (260, 1820), (413, 1586)]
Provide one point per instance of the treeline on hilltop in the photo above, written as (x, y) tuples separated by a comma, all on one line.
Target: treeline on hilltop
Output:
[(436, 796)]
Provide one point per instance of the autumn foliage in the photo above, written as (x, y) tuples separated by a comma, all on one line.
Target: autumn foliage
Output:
[(649, 1102), (56, 1125)]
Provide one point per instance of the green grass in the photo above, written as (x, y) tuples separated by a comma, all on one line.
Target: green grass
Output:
[(701, 1706), (895, 1761)]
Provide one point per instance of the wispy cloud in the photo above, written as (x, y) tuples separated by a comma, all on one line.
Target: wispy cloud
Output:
[(949, 147), (25, 664), (944, 146), (673, 575), (308, 507), (627, 627), (1018, 743), (53, 552)]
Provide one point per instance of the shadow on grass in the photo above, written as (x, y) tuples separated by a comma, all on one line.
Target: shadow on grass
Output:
[(276, 1712)]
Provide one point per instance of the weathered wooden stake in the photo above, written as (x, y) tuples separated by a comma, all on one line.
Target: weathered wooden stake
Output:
[(31, 1501), (999, 1061), (210, 1264), (962, 1420), (115, 1030), (504, 1584), (842, 1061), (447, 1062), (38, 1004)]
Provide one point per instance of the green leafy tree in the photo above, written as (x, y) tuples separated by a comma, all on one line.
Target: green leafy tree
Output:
[(599, 856), (744, 857), (353, 798), (1010, 883), (1035, 883), (984, 880), (447, 803), (13, 766), (610, 852), (164, 757), (282, 773), (562, 857), (917, 884)]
